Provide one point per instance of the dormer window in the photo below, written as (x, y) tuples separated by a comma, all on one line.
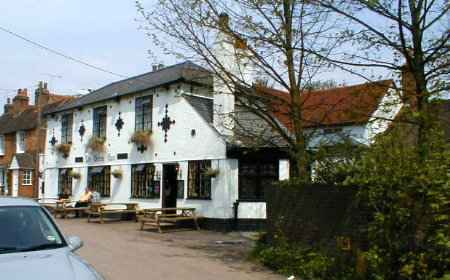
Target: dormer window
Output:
[(66, 129), (100, 122), (20, 141), (2, 145), (143, 109)]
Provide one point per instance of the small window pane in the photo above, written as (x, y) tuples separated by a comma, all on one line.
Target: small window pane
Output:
[(27, 177), (199, 184), (66, 129), (100, 181), (64, 183), (143, 111), (143, 182), (254, 176), (100, 117)]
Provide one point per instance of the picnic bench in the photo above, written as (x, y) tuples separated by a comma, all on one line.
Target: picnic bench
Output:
[(159, 217), (48, 202), (64, 207), (101, 210)]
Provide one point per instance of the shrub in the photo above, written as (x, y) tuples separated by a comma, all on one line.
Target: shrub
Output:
[(211, 172), (96, 144), (117, 173), (407, 188), (304, 262), (141, 138), (74, 174), (64, 149)]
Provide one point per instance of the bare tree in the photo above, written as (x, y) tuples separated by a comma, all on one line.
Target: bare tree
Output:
[(270, 41), (409, 36)]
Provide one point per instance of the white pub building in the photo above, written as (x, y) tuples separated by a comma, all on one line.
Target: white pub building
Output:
[(184, 163)]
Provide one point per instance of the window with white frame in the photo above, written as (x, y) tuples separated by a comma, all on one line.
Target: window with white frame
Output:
[(27, 177), (2, 145), (20, 142), (2, 177)]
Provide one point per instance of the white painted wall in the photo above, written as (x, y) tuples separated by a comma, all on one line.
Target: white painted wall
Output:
[(180, 147), (390, 106)]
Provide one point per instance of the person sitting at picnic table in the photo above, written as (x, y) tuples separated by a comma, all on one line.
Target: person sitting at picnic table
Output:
[(85, 199)]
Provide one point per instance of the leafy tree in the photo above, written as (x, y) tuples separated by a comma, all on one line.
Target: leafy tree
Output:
[(410, 36), (409, 196), (271, 36)]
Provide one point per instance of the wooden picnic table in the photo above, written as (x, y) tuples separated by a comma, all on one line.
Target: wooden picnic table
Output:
[(64, 207), (100, 210), (159, 217)]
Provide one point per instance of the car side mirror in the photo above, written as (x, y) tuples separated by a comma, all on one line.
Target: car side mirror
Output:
[(75, 243)]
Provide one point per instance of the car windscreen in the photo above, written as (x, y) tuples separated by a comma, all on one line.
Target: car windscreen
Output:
[(27, 228)]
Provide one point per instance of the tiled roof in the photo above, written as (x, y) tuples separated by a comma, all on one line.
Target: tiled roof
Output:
[(186, 71), (204, 106), (29, 118), (56, 102), (25, 161), (25, 120), (331, 107)]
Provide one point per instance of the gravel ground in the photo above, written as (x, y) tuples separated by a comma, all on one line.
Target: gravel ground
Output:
[(119, 251)]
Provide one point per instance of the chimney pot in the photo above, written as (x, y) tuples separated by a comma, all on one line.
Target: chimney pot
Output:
[(224, 21), (408, 85)]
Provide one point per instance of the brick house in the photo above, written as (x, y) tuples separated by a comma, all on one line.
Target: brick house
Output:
[(22, 141)]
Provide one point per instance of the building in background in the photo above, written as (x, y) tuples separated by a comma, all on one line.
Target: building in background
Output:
[(22, 137)]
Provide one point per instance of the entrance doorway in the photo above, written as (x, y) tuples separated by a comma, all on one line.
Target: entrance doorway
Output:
[(169, 194), (15, 183)]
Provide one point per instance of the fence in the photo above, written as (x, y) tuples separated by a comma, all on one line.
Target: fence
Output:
[(317, 214)]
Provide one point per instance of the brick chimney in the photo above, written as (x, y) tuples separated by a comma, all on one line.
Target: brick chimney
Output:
[(21, 101), (41, 94), (8, 106), (408, 83)]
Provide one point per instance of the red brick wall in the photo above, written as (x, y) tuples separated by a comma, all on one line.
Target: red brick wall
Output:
[(33, 146)]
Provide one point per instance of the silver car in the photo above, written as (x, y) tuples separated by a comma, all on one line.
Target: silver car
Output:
[(33, 248)]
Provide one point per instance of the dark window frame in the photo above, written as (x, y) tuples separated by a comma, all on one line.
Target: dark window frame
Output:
[(100, 121), (199, 184), (143, 113), (257, 178), (64, 180), (143, 183), (66, 128), (100, 182)]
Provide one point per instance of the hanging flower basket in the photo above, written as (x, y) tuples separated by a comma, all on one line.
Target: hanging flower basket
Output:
[(74, 174), (211, 172), (64, 149), (117, 173), (96, 144), (141, 138)]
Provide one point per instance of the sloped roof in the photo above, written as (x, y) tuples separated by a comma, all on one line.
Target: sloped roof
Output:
[(331, 107), (29, 118), (57, 101), (25, 120), (204, 106), (25, 161), (186, 71)]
